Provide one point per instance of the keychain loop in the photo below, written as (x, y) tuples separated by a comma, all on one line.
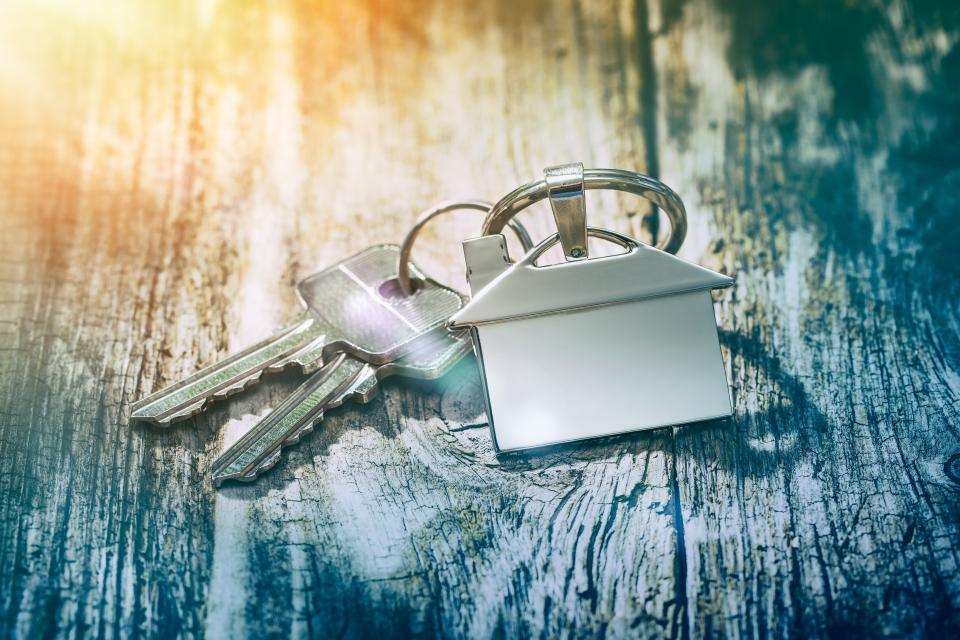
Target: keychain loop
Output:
[(594, 232), (406, 247), (615, 179)]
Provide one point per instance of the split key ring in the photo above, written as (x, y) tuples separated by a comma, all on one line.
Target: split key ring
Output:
[(406, 248), (564, 185)]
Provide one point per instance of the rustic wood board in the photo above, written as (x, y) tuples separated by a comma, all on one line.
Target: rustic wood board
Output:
[(168, 172)]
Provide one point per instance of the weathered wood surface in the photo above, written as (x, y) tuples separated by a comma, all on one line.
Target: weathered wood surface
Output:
[(167, 172)]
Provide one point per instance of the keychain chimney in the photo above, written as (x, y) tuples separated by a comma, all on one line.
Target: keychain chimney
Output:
[(485, 258)]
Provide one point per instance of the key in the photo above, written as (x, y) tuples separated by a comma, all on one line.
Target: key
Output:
[(343, 379), (348, 308)]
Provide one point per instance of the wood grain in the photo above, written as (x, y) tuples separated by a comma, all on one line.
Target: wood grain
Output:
[(167, 172)]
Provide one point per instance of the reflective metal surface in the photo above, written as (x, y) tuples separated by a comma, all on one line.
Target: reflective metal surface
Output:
[(565, 190), (602, 371), (616, 179), (526, 289), (592, 347)]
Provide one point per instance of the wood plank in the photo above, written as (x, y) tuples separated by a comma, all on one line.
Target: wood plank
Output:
[(167, 173), (824, 509)]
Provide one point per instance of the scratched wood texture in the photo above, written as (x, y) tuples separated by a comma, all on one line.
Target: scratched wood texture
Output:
[(168, 171)]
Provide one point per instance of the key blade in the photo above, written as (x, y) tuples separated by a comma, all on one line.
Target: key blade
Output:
[(231, 375), (308, 359), (259, 448), (344, 379)]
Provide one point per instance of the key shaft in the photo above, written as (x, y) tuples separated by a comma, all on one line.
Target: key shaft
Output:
[(231, 375), (259, 449), (343, 379)]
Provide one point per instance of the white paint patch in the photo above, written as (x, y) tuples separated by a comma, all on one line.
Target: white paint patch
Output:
[(803, 249), (230, 577), (768, 443), (374, 523)]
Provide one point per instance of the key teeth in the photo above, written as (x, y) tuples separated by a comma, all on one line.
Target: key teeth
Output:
[(186, 412), (312, 366), (234, 389), (201, 404), (307, 366), (279, 367), (360, 393), (270, 461), (295, 437), (309, 357)]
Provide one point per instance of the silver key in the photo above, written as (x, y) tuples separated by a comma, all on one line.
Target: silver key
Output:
[(344, 378), (345, 312)]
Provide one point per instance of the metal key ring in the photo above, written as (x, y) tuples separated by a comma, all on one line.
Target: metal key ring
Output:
[(618, 239), (565, 185), (406, 248)]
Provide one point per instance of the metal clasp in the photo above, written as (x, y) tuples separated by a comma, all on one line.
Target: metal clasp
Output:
[(565, 190)]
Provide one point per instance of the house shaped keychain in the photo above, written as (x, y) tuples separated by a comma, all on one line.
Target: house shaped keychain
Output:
[(592, 346)]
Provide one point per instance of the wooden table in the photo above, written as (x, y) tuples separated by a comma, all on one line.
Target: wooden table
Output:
[(168, 172)]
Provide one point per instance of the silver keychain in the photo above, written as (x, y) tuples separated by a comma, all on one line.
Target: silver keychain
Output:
[(592, 346)]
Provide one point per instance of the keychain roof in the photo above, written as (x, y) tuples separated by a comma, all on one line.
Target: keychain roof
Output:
[(642, 272)]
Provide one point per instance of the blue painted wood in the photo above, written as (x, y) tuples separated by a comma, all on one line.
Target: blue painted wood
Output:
[(166, 175)]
